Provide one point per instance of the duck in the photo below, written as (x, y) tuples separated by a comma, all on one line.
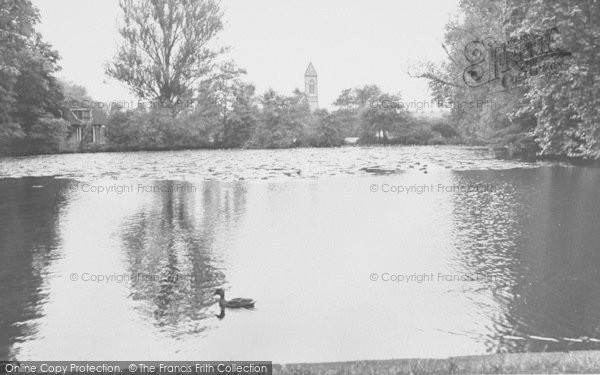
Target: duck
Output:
[(236, 303)]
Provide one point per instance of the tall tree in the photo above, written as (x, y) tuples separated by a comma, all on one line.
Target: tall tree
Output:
[(284, 120), (326, 130), (37, 91), (75, 95), (551, 100), (17, 21), (166, 47), (357, 98), (382, 121), (566, 103), (349, 105), (28, 88), (234, 103)]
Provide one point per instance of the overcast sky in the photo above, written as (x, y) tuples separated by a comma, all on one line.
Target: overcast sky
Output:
[(351, 43)]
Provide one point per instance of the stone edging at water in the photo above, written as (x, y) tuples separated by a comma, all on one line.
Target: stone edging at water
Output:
[(517, 363)]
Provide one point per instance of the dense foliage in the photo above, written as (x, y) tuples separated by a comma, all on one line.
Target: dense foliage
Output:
[(536, 65), (28, 89), (165, 47), (227, 114), (167, 58)]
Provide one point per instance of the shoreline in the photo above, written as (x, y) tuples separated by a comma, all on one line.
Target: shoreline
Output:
[(498, 154), (587, 361)]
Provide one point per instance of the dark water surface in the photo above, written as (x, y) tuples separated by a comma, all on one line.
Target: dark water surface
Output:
[(513, 266)]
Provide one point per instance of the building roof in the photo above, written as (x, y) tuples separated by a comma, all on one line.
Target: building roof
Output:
[(310, 71), (71, 118), (98, 116)]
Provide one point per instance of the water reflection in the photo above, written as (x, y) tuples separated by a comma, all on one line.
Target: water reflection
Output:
[(172, 249), (221, 315), (29, 225), (304, 249), (537, 236)]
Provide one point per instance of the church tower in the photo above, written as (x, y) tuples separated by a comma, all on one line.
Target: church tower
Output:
[(311, 87)]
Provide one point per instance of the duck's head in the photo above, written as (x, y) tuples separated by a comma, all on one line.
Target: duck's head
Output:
[(219, 292)]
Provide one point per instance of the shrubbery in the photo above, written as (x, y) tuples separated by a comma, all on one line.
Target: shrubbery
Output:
[(11, 138), (546, 104), (279, 122), (269, 121), (47, 135)]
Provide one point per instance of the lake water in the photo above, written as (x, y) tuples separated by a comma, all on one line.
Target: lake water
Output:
[(351, 253)]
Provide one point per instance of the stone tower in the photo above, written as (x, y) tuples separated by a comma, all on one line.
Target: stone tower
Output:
[(311, 88)]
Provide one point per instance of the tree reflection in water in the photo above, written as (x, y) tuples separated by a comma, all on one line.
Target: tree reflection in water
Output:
[(29, 219), (171, 244), (536, 235)]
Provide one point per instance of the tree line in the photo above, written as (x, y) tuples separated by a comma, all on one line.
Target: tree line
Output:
[(228, 114), (539, 61), (168, 55)]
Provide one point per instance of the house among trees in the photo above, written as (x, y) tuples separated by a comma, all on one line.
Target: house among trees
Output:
[(86, 121)]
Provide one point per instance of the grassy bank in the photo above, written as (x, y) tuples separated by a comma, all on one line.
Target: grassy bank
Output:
[(518, 363)]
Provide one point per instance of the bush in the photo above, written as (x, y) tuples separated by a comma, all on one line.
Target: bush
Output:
[(445, 130), (122, 134), (420, 136), (158, 130), (131, 130), (11, 138), (46, 136), (326, 130)]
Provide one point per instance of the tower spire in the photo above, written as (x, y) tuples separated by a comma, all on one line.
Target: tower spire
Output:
[(311, 87), (310, 71)]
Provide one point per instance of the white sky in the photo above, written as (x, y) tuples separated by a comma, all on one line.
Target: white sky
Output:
[(351, 43)]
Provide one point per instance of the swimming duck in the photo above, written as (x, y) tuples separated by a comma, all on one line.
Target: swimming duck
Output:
[(235, 303)]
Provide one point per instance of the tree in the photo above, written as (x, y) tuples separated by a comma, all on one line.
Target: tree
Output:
[(233, 103), (381, 121), (349, 122), (283, 121), (47, 135), (372, 115), (17, 21), (566, 102), (464, 38), (165, 48), (349, 105), (37, 92), (242, 119), (358, 97), (554, 111), (326, 130), (75, 95), (28, 88)]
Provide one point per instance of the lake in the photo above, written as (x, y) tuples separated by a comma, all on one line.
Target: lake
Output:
[(351, 253)]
